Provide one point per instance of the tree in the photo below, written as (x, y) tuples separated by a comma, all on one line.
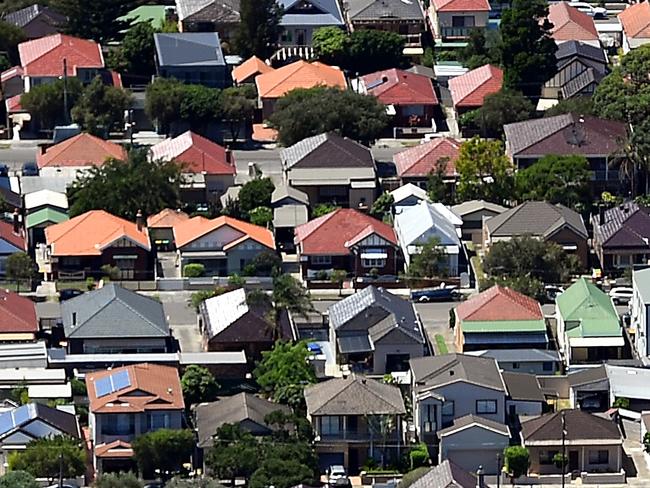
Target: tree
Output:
[(370, 50), (44, 458), (527, 50), (94, 20), (289, 294), (100, 108), (193, 270), (18, 479), (517, 461), (10, 37), (255, 193), (163, 98), (303, 113), (337, 277), (117, 480), (330, 45), (124, 187), (382, 206), (501, 108), (429, 262), (485, 172), (136, 53), (193, 483), (259, 28), (282, 473), (437, 187), (198, 385), (577, 105), (613, 96), (45, 102), (262, 216), (237, 107), (163, 449), (557, 179), (480, 49), (266, 263), (235, 454), (20, 267), (199, 106), (646, 442), (323, 209), (419, 455)]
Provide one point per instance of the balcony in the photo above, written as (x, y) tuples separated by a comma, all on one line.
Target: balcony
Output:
[(456, 32)]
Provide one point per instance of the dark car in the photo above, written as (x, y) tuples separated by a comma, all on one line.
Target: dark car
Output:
[(30, 168), (68, 293), (442, 294), (4, 170)]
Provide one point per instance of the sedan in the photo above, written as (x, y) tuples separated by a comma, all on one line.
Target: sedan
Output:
[(620, 295)]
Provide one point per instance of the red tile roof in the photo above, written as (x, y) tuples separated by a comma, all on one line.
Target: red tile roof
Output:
[(17, 313), (199, 154), (399, 87), (190, 230), (461, 5), (13, 104), (569, 24), (470, 89), (499, 304), (334, 233), (263, 133), (44, 56), (300, 74), (115, 449), (421, 160), (152, 387), (7, 233), (166, 218), (81, 150), (251, 67), (11, 73), (635, 20)]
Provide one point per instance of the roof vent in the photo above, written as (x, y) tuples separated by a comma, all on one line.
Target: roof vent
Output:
[(170, 390)]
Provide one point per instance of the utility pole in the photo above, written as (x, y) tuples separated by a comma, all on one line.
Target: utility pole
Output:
[(60, 470), (65, 91), (563, 446), (498, 470)]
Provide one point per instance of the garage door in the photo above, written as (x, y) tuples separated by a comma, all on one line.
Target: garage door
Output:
[(471, 460), (327, 459)]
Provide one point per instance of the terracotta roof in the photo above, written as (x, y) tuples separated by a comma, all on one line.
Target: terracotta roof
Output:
[(13, 104), (17, 313), (399, 87), (89, 233), (300, 74), (263, 133), (470, 89), (7, 233), (190, 230), (251, 67), (421, 160), (44, 56), (81, 150), (150, 387), (115, 449), (336, 232), (569, 24), (461, 5), (11, 73), (635, 20), (200, 155), (499, 303), (166, 218)]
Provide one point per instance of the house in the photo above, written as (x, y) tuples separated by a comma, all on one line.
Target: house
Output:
[(18, 322), (473, 213), (593, 444), (525, 397), (570, 24), (542, 220), (640, 312), (221, 16), (36, 20), (468, 91), (531, 361), (403, 18), (454, 20), (29, 422), (472, 441), (113, 319), (229, 323), (635, 20), (446, 475), (452, 386), (84, 244), (349, 240), (300, 18), (290, 209), (12, 240), (223, 245), (345, 414), (77, 153), (620, 236), (43, 208), (161, 228), (331, 169), (417, 225), (588, 326), (192, 57), (208, 168), (127, 402), (598, 140), (416, 164), (499, 317), (409, 98), (376, 331), (408, 195), (589, 389), (246, 72), (275, 84)]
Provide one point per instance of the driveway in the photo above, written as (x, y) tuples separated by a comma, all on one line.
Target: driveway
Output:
[(435, 319), (182, 318)]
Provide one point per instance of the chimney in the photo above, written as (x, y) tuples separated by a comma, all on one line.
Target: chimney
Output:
[(601, 215), (16, 222), (228, 156), (139, 220), (42, 148)]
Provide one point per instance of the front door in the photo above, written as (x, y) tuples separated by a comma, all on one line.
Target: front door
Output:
[(574, 463), (353, 461)]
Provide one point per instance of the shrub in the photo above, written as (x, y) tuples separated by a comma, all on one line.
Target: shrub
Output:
[(110, 272), (412, 476), (193, 270), (419, 455), (117, 480), (90, 283)]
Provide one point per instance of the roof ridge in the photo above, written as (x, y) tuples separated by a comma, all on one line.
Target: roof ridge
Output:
[(97, 311), (146, 319), (58, 34), (300, 64)]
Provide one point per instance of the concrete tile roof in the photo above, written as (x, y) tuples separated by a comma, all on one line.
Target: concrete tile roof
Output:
[(166, 218), (471, 420), (197, 153), (300, 74), (523, 387), (369, 10), (17, 313), (461, 5), (250, 68), (579, 425), (626, 225), (20, 18), (470, 89), (399, 87), (81, 150), (191, 229), (421, 160), (208, 10), (435, 371), (446, 475), (44, 57), (311, 12), (327, 150), (635, 20), (569, 49), (569, 24), (499, 303)]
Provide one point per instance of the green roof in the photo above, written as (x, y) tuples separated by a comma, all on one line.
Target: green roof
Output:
[(155, 14), (481, 326), (45, 215), (588, 311)]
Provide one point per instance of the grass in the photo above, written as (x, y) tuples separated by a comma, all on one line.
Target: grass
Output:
[(79, 285), (441, 345)]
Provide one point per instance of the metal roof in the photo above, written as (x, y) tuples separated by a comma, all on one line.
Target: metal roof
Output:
[(189, 49)]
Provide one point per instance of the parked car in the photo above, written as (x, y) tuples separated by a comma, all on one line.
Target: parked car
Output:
[(4, 170), (552, 292), (587, 8), (30, 169), (68, 293), (621, 295), (336, 476), (314, 348), (441, 294)]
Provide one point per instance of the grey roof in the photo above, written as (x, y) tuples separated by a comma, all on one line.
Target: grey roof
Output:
[(521, 135), (311, 12), (189, 49), (536, 218), (523, 387), (378, 10), (327, 150), (626, 225), (628, 382), (223, 11), (587, 376), (472, 206), (578, 424), (569, 49), (434, 371), (579, 82), (233, 410), (419, 69), (519, 355), (468, 420), (446, 475), (284, 190), (21, 416), (113, 311), (641, 282), (289, 216), (22, 17), (355, 395)]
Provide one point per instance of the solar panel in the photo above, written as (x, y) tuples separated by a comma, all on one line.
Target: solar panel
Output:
[(6, 422), (103, 386), (121, 380), (22, 414), (375, 83)]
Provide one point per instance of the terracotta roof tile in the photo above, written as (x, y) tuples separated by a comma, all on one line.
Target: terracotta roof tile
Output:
[(635, 20), (200, 155), (7, 233), (190, 230), (17, 313), (401, 87), (11, 73), (461, 5), (300, 74), (115, 449), (81, 150), (421, 160), (470, 89), (263, 133), (569, 24), (44, 56), (334, 233), (13, 104), (89, 233), (166, 218), (499, 304), (253, 66)]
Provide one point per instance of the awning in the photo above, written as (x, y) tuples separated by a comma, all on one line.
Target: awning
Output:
[(374, 255), (362, 184), (596, 341), (352, 344), (203, 254)]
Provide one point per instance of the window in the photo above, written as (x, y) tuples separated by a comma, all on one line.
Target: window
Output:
[(546, 457), (547, 366), (429, 418), (448, 409), (118, 424), (373, 263), (599, 457), (515, 365), (321, 260), (158, 420), (622, 260), (486, 406), (462, 21), (330, 425)]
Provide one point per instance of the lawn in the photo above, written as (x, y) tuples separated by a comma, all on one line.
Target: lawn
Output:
[(441, 345)]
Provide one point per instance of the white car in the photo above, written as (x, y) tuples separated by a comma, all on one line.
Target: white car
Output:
[(336, 476), (620, 295), (596, 12)]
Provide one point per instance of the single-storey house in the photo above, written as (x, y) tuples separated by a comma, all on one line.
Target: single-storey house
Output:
[(473, 213), (468, 91), (570, 24), (438, 156)]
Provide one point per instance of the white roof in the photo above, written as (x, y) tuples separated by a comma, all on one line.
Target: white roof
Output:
[(14, 376), (42, 198), (409, 190), (628, 382), (448, 213), (49, 391), (417, 224), (225, 309)]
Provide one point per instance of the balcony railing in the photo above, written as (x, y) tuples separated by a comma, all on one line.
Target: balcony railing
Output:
[(456, 32), (356, 436), (412, 40)]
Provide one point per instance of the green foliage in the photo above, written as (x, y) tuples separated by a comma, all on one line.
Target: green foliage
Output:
[(237, 107), (199, 105), (234, 455), (337, 277), (412, 476), (382, 206), (330, 45), (90, 283), (323, 209), (517, 461), (102, 26), (419, 455), (259, 28), (255, 193), (20, 267), (198, 297), (501, 108), (303, 113), (124, 187), (193, 270), (18, 479), (117, 480), (236, 281), (437, 189), (282, 473), (163, 98), (42, 458), (10, 37), (110, 272), (289, 294), (646, 442), (136, 53), (577, 105), (262, 216), (621, 402), (19, 394), (193, 483), (78, 387), (266, 263), (429, 262), (481, 49), (527, 285), (560, 460), (163, 449), (557, 179), (45, 102), (198, 385)]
